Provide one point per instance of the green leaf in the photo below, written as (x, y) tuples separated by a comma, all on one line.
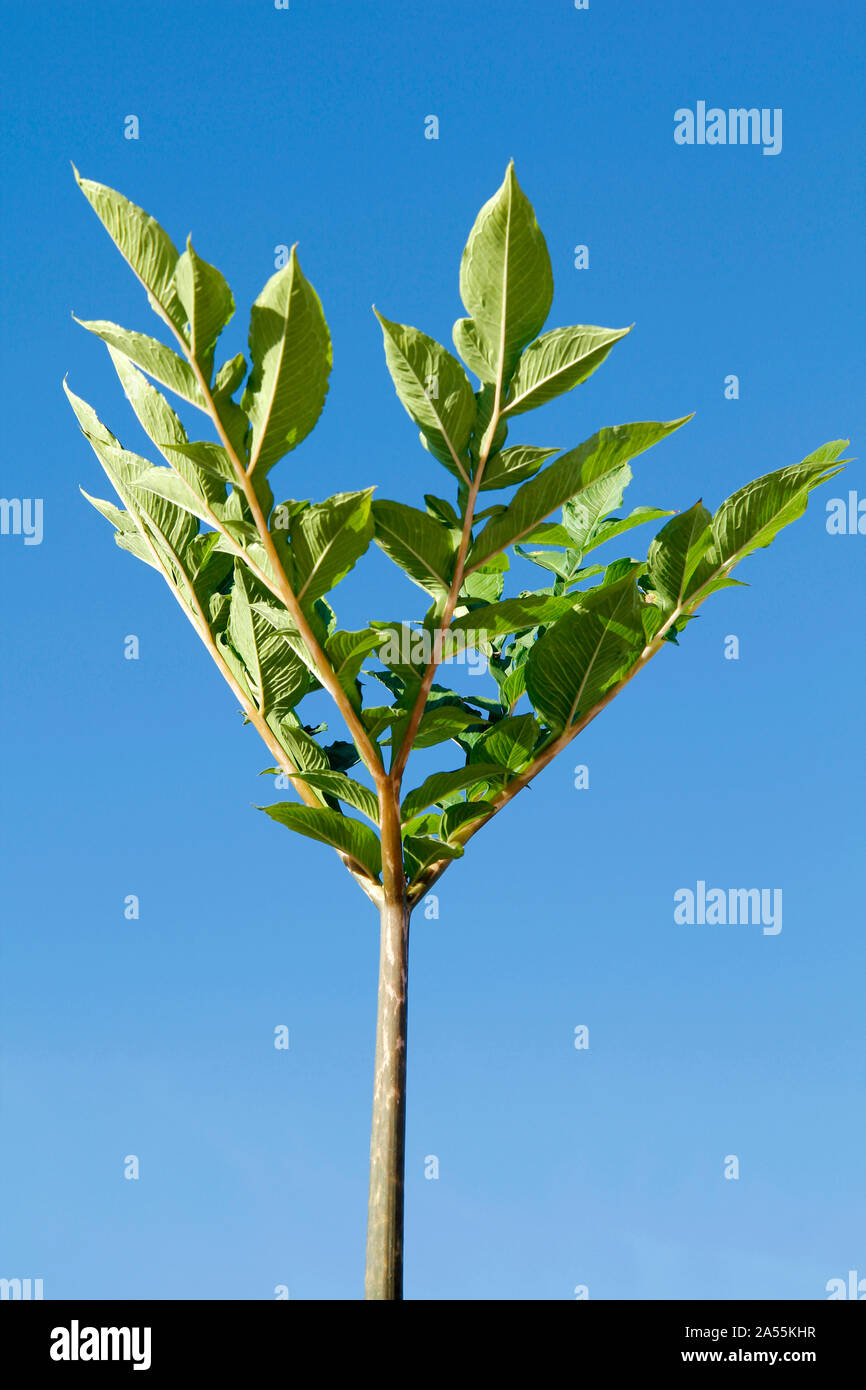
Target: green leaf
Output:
[(558, 562), (207, 302), (347, 652), (496, 510), (116, 515), (346, 789), (514, 465), (421, 850), (162, 482), (319, 614), (243, 533), (290, 349), (154, 413), (617, 526), (341, 755), (283, 514), (442, 784), (549, 533), (582, 514), (485, 439), (434, 390), (827, 453), (127, 534), (442, 510), (509, 671), (199, 489), (487, 581), (427, 824), (345, 834), (377, 718), (208, 457), (754, 515), (513, 615), (506, 281), (420, 545), (535, 500), (441, 695), (141, 241), (443, 722), (137, 546), (303, 750), (675, 553), (557, 362), (463, 813), (327, 540), (278, 678), (229, 376), (282, 623), (208, 568), (584, 653), (469, 346), (509, 744), (152, 356), (236, 424), (171, 528), (617, 569)]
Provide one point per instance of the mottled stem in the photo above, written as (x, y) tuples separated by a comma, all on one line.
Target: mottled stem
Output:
[(384, 1275)]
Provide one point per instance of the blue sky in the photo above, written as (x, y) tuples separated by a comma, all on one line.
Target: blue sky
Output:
[(558, 1167)]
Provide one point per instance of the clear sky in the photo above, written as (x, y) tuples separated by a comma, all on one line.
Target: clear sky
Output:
[(558, 1167)]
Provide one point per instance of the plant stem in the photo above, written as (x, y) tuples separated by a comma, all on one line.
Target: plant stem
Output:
[(384, 1273), (401, 755)]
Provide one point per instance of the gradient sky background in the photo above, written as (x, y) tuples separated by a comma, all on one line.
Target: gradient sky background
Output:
[(557, 1167)]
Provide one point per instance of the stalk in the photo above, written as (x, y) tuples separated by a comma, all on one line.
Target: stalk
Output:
[(384, 1272)]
